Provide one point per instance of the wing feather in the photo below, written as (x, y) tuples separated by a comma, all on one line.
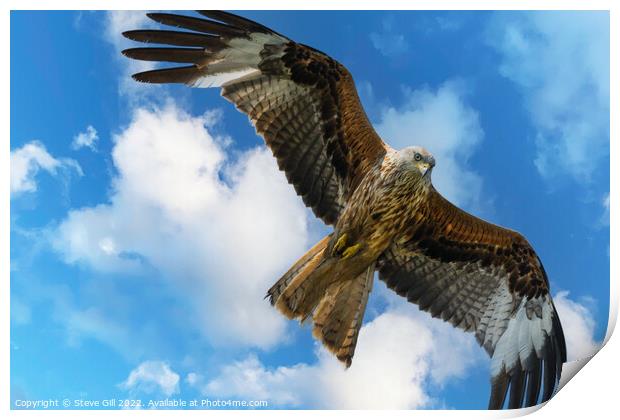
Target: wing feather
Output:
[(486, 279), (300, 100)]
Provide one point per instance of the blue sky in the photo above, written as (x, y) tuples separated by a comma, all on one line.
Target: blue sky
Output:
[(147, 222)]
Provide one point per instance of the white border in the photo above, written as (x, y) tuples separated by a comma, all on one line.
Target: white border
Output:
[(594, 393)]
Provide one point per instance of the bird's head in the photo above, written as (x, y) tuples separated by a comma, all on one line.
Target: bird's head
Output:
[(418, 159)]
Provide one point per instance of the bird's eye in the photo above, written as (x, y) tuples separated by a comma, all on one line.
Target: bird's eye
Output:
[(417, 156)]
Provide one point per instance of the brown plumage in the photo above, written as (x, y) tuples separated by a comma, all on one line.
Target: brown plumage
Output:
[(386, 214)]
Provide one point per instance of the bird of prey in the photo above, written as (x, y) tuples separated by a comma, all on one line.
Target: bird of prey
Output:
[(386, 214)]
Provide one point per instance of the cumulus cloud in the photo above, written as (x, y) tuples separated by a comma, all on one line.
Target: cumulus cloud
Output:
[(219, 231), (441, 121), (28, 160), (412, 350), (86, 138), (578, 325), (560, 62), (154, 377)]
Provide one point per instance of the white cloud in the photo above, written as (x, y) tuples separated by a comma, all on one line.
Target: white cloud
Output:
[(399, 354), (153, 377), (578, 325), (86, 138), (444, 124), (26, 162), (220, 232), (560, 61)]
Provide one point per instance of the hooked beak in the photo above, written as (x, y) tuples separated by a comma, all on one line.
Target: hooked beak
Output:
[(425, 168)]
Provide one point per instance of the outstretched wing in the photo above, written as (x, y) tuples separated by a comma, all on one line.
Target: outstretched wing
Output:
[(301, 101), (488, 280)]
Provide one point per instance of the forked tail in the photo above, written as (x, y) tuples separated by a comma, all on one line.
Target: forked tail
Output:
[(338, 318), (336, 306)]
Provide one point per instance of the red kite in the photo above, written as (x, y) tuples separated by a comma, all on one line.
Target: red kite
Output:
[(386, 214)]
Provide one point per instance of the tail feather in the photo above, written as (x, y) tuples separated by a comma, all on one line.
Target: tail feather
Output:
[(315, 286), (337, 305), (305, 293), (338, 318), (298, 272)]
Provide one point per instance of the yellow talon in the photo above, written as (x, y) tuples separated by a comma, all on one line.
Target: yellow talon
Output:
[(341, 243), (351, 251)]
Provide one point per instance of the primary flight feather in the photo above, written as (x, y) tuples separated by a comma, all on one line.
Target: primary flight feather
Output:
[(386, 214)]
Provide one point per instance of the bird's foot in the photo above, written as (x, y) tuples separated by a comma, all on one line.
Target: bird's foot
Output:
[(341, 243), (351, 251)]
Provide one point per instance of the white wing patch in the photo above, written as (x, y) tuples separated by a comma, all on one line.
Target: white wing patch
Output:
[(241, 58), (222, 77), (524, 337)]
